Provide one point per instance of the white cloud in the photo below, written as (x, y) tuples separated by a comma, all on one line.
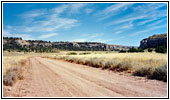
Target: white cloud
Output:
[(157, 22), (147, 30), (44, 36), (24, 36), (126, 19), (146, 21), (116, 7), (50, 20), (60, 9), (118, 32), (80, 40), (48, 25), (76, 7), (94, 37), (88, 10), (7, 33), (139, 32), (113, 10), (149, 12), (33, 13), (124, 26), (155, 15), (72, 8), (150, 7)]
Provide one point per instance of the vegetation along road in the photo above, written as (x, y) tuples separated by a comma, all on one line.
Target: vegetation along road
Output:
[(46, 77)]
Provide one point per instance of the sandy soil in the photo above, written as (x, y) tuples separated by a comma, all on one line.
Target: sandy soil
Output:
[(53, 78)]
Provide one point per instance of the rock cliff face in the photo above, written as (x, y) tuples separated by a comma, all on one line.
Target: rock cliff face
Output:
[(154, 41), (18, 43), (117, 47)]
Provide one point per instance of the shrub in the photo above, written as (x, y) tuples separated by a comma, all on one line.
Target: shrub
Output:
[(88, 62), (22, 62), (123, 66), (70, 59), (84, 53), (144, 71), (161, 49), (122, 51), (160, 73), (150, 49), (109, 64), (95, 63), (135, 50), (81, 61), (12, 75), (71, 53)]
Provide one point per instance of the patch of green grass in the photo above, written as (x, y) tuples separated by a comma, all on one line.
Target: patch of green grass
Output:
[(71, 53), (84, 53)]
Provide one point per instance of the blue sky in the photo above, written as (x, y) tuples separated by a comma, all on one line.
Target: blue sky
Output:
[(111, 23)]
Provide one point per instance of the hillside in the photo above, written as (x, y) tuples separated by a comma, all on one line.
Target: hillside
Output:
[(46, 46), (154, 41)]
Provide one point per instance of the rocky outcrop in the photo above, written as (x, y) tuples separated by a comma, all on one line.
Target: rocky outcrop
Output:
[(118, 47), (154, 41), (19, 44)]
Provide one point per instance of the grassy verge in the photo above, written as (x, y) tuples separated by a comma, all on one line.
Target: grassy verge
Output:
[(14, 73), (159, 73), (150, 68)]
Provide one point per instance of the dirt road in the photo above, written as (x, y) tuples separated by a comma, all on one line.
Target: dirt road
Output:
[(52, 78)]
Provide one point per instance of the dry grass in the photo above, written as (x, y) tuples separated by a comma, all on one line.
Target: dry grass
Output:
[(12, 75), (145, 63), (141, 64), (14, 72), (13, 66)]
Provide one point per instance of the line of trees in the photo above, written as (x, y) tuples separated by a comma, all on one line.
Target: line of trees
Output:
[(159, 49)]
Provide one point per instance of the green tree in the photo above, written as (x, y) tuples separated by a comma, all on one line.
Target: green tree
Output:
[(161, 49)]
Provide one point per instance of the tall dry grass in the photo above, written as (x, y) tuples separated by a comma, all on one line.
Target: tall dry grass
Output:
[(13, 66), (14, 72), (140, 64)]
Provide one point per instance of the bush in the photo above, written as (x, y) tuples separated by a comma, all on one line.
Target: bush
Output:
[(107, 65), (22, 62), (110, 64), (135, 50), (84, 53), (71, 53), (160, 73), (150, 49), (81, 61), (122, 51), (12, 75), (143, 72), (161, 49), (95, 63), (123, 66)]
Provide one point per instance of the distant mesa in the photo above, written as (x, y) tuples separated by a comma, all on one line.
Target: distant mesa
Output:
[(154, 41), (19, 44)]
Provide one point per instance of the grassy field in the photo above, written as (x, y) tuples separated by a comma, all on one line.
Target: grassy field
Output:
[(151, 65)]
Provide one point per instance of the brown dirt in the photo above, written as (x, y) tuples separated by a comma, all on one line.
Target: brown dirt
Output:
[(53, 78)]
